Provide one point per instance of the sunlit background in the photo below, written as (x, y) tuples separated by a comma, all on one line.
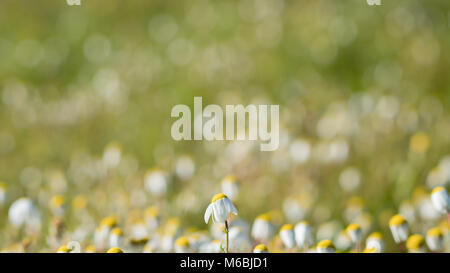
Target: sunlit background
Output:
[(86, 93)]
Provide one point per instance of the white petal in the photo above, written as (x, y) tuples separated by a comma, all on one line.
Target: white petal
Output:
[(230, 207), (220, 211), (208, 212)]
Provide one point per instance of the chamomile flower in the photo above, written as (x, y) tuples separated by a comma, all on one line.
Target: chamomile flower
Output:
[(375, 241), (370, 250), (399, 228), (71, 247), (287, 236), (435, 239), (219, 209), (90, 249), (138, 232), (2, 194), (57, 205), (325, 246), (416, 244), (230, 187), (182, 245), (239, 239), (23, 212), (152, 218), (116, 237), (101, 235), (115, 250), (63, 249), (156, 182), (263, 229), (215, 246), (261, 248), (303, 235), (112, 155), (354, 231), (343, 241), (441, 199)]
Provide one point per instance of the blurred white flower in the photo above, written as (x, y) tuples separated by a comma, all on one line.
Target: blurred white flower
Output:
[(325, 246), (287, 236), (263, 229), (303, 235), (440, 199), (261, 248), (435, 239), (375, 241), (23, 212), (156, 182), (230, 187), (399, 228)]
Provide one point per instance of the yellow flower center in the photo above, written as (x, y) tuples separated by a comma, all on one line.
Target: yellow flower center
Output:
[(353, 227), (325, 244), (304, 223), (57, 201), (287, 227), (435, 232), (230, 178), (63, 249), (152, 211), (376, 235), (182, 241), (115, 250), (265, 217), (415, 242), (397, 220), (437, 189), (109, 221), (261, 247), (218, 197), (117, 231)]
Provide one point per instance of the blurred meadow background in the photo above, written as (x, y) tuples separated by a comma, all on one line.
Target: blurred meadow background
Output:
[(86, 93)]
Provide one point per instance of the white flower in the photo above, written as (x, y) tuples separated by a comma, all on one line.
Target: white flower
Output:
[(375, 241), (354, 231), (152, 218), (416, 244), (215, 246), (156, 182), (23, 212), (261, 248), (303, 234), (435, 239), (239, 239), (326, 246), (441, 200), (112, 155), (182, 245), (219, 209), (399, 228), (116, 238), (287, 236), (230, 187), (343, 240), (262, 229), (2, 194)]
